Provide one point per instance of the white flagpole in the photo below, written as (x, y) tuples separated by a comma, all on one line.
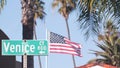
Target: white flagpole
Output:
[(46, 57)]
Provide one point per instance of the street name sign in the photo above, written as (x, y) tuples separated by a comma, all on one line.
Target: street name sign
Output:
[(22, 47)]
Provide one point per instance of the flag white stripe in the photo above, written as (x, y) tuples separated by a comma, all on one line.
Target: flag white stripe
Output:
[(74, 45), (59, 51), (77, 45), (60, 44), (61, 48), (65, 52)]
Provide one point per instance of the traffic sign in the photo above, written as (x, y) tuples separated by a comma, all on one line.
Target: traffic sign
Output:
[(21, 47)]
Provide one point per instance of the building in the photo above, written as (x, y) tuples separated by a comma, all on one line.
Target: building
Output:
[(18, 64), (96, 65), (6, 61)]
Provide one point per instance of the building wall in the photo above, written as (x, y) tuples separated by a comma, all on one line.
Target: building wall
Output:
[(6, 61), (18, 64)]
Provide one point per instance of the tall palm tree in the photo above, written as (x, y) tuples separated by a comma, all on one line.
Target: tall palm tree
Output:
[(110, 45), (31, 9), (66, 7), (91, 10)]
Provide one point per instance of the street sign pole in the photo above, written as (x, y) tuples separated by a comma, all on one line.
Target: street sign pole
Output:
[(25, 61)]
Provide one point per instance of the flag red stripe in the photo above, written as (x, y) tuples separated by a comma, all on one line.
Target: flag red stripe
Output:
[(77, 45), (62, 49), (60, 45), (66, 53)]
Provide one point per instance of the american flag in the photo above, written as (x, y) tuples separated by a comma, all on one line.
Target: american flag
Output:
[(61, 44)]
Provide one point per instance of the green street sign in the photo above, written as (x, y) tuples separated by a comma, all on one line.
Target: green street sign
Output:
[(21, 47)]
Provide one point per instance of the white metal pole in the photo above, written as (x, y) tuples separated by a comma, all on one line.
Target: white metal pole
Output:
[(25, 61), (24, 57), (46, 57)]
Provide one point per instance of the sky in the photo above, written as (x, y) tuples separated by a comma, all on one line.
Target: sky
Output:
[(10, 23)]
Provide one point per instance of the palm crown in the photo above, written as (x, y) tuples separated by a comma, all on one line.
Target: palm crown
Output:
[(110, 45), (67, 6)]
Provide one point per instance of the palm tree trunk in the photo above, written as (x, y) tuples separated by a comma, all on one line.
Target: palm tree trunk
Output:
[(68, 34), (68, 30), (28, 34), (28, 24)]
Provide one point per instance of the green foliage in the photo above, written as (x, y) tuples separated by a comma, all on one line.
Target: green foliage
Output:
[(31, 10), (110, 45), (39, 9), (90, 13), (66, 6)]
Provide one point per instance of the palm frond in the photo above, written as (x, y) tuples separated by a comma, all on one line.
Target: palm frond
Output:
[(56, 3), (65, 6), (110, 45), (2, 3), (89, 17), (97, 60), (39, 9), (90, 13)]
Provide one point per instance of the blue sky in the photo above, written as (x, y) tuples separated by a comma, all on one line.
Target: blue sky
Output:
[(10, 23)]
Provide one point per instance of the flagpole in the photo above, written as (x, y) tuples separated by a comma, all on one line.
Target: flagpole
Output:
[(46, 57)]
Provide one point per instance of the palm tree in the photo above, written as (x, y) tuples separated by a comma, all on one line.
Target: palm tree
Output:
[(110, 45), (66, 7), (31, 9), (91, 10)]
